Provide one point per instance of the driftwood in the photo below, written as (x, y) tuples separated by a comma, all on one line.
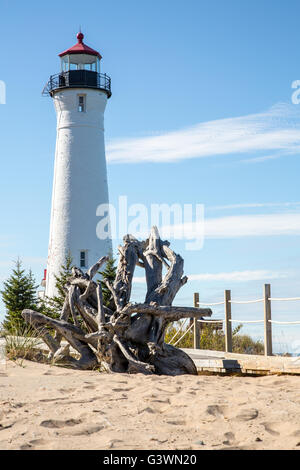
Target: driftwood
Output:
[(124, 337)]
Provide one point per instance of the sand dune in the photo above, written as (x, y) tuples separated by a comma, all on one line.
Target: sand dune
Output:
[(44, 407)]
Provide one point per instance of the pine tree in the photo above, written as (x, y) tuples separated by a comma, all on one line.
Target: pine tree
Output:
[(19, 293), (52, 306), (61, 279), (108, 274)]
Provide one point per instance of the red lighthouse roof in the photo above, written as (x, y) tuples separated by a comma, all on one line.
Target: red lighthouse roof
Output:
[(80, 48)]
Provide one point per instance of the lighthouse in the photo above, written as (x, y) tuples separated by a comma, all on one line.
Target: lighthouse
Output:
[(80, 93)]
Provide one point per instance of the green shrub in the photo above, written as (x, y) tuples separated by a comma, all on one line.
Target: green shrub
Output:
[(214, 340)]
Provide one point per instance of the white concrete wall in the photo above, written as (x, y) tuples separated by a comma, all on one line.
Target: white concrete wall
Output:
[(80, 180)]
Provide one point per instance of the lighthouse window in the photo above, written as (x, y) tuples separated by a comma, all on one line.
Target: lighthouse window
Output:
[(81, 103), (83, 260)]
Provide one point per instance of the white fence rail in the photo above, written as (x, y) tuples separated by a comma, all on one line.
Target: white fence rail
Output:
[(227, 322)]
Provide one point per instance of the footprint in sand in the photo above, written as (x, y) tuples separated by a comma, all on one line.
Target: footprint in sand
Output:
[(148, 396), (26, 447), (284, 427), (45, 400), (2, 426), (55, 423), (229, 438), (122, 389), (124, 397), (177, 422), (166, 401), (229, 435), (87, 400), (168, 392), (88, 430), (234, 448), (38, 442), (247, 415), (56, 372), (147, 410), (111, 444), (215, 410), (269, 427), (276, 382), (158, 440)]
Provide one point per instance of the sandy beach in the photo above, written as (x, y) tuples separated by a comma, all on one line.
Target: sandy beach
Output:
[(47, 407)]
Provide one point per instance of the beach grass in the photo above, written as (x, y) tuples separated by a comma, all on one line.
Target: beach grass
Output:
[(22, 343)]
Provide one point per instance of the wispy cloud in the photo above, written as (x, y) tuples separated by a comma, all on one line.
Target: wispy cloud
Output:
[(276, 130), (253, 225), (262, 225), (264, 158), (239, 276), (233, 226), (234, 276), (255, 205)]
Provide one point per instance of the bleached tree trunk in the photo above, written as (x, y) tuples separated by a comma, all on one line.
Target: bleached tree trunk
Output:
[(126, 337)]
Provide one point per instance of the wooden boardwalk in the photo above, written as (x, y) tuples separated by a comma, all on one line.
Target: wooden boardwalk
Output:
[(224, 363)]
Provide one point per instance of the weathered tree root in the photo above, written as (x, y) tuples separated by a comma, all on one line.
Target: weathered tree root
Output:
[(127, 337)]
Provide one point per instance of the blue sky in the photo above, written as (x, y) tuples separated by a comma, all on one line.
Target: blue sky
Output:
[(201, 112)]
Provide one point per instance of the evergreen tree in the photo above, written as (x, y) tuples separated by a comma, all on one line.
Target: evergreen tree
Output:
[(61, 279), (19, 293), (52, 306), (108, 274)]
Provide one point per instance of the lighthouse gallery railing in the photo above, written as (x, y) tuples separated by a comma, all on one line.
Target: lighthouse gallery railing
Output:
[(78, 78)]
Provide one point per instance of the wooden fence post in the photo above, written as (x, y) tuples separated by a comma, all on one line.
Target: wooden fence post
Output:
[(196, 323), (228, 326), (267, 317)]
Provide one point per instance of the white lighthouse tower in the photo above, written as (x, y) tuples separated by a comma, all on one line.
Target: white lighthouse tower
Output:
[(79, 93)]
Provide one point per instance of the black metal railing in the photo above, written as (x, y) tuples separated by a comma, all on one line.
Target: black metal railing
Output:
[(78, 79)]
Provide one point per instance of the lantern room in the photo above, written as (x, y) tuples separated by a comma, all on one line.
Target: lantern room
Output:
[(80, 62), (80, 68), (80, 57)]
